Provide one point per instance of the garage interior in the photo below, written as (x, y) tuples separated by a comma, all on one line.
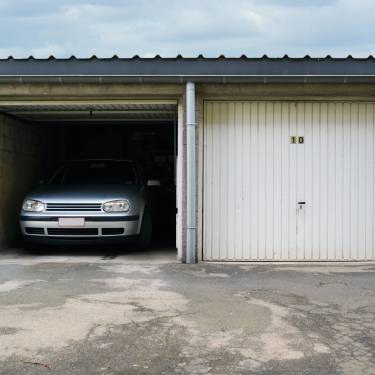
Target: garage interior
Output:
[(37, 137)]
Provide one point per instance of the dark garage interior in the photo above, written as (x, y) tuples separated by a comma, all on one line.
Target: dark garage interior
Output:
[(143, 133)]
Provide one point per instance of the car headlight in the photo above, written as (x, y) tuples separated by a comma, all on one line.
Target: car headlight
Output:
[(116, 206), (32, 205)]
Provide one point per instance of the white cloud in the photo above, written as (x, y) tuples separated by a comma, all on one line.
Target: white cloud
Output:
[(168, 28), (48, 49)]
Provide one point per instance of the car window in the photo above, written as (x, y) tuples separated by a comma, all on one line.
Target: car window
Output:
[(96, 172)]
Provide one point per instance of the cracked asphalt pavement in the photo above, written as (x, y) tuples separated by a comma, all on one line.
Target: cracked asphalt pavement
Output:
[(100, 312)]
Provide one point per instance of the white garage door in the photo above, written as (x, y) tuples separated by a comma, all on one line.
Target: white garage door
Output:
[(288, 181)]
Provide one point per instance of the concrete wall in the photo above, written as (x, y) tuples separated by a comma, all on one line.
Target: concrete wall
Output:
[(85, 91), (21, 165), (288, 91)]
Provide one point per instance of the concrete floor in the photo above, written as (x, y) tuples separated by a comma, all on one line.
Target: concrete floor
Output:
[(105, 312)]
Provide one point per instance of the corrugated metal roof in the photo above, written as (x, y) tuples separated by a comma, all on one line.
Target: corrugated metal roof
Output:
[(115, 57), (181, 69)]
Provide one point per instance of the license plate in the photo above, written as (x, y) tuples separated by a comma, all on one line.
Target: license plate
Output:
[(71, 221)]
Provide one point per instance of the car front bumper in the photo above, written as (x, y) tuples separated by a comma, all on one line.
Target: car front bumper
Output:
[(41, 228)]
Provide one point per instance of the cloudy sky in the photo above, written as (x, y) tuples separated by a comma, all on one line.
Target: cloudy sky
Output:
[(190, 27)]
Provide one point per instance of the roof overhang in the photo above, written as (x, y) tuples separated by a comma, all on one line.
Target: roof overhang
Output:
[(181, 70)]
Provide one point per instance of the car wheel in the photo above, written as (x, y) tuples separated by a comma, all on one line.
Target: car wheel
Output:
[(146, 230)]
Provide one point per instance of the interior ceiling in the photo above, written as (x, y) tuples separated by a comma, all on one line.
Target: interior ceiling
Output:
[(88, 112)]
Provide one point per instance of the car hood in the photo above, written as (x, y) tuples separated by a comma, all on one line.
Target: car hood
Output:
[(83, 193)]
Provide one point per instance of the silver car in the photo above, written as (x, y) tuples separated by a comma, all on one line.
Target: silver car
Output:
[(89, 201)]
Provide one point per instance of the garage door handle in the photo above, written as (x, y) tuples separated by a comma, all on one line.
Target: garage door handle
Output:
[(301, 202)]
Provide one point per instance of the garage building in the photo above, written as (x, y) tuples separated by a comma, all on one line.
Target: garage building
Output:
[(264, 159)]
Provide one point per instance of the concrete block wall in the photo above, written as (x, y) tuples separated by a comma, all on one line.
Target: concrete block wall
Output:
[(22, 152)]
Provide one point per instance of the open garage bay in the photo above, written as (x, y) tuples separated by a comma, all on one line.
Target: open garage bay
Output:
[(37, 137)]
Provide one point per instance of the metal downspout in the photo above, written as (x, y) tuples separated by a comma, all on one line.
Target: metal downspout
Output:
[(191, 227)]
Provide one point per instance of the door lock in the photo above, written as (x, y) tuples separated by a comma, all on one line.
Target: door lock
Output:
[(301, 205)]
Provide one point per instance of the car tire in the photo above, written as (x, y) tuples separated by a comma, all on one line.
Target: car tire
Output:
[(146, 230)]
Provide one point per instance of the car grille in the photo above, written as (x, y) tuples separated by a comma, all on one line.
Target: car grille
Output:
[(74, 207), (31, 230), (73, 231), (112, 231)]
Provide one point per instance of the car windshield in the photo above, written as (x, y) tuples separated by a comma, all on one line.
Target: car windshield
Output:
[(96, 172)]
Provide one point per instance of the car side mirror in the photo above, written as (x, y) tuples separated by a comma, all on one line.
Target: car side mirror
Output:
[(153, 182)]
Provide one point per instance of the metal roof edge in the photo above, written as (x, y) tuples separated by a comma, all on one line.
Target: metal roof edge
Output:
[(180, 79), (179, 69)]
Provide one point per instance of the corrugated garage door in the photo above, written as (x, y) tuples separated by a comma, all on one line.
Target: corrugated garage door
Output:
[(288, 181)]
